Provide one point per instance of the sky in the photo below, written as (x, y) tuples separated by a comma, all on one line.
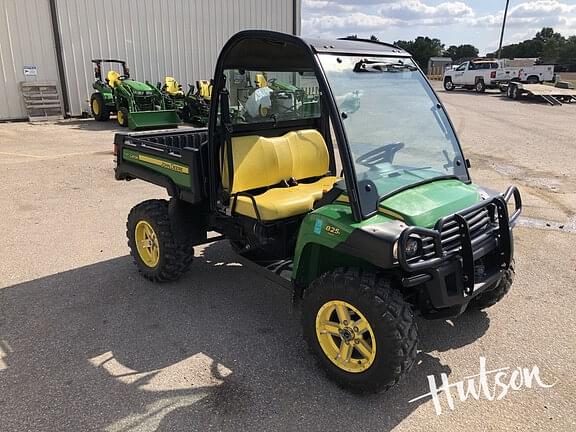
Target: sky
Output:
[(477, 22)]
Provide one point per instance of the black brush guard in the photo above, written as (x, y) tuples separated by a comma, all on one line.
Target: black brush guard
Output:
[(450, 250)]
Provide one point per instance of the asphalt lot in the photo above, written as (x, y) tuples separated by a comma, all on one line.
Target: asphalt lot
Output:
[(87, 344)]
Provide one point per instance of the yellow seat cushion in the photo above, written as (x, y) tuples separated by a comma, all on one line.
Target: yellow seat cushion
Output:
[(280, 203)]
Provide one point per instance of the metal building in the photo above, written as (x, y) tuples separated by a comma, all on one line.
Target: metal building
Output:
[(54, 40)]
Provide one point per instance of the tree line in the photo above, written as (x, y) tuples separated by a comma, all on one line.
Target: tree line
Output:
[(547, 45)]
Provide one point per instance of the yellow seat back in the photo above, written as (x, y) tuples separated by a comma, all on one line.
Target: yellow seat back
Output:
[(260, 81), (172, 87), (113, 78), (204, 89), (309, 154), (260, 162)]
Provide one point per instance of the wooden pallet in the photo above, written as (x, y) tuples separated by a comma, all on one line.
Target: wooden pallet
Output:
[(42, 100)]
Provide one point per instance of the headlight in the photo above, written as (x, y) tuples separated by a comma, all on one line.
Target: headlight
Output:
[(411, 249)]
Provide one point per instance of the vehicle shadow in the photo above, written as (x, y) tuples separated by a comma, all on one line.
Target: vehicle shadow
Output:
[(99, 348), (89, 124)]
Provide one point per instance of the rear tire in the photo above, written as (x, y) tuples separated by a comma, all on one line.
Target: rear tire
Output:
[(376, 358), (100, 111), (533, 79), (448, 84), (496, 293), (514, 92), (166, 257), (480, 87)]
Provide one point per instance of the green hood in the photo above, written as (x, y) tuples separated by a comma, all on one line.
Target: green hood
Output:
[(136, 85), (424, 205)]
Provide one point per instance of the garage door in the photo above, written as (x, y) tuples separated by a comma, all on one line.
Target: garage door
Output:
[(27, 51)]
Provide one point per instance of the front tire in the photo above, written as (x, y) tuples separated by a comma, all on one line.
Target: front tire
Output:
[(159, 255), (360, 330), (122, 117), (448, 84), (494, 295)]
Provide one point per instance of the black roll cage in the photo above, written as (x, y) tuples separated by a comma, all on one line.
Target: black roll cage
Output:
[(98, 67), (361, 196)]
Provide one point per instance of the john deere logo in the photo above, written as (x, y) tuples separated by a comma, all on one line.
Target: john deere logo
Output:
[(182, 169)]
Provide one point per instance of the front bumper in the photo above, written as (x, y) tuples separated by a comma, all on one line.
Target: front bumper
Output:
[(452, 252)]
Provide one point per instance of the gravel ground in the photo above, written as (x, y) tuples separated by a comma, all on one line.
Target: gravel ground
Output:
[(87, 344)]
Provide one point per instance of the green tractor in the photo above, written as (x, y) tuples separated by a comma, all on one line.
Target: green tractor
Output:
[(138, 105), (194, 106), (363, 207)]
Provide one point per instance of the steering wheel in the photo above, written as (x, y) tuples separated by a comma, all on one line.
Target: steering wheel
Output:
[(380, 155)]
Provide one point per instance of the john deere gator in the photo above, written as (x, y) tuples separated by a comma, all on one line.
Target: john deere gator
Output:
[(137, 105), (362, 206)]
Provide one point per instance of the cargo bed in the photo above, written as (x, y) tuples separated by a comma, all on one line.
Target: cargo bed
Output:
[(174, 159)]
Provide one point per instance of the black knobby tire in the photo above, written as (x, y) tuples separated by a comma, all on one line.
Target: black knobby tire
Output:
[(176, 254), (390, 317), (448, 84), (493, 295), (480, 86), (509, 91), (103, 113), (514, 92)]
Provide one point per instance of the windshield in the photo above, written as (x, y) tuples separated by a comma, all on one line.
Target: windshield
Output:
[(258, 96), (398, 133)]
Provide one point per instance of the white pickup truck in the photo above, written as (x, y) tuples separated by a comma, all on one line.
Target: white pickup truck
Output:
[(482, 74)]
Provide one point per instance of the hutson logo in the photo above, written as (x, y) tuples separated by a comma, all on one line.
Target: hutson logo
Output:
[(488, 384)]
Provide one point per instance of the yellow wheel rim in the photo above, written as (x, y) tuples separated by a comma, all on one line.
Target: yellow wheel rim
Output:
[(120, 118), (345, 336), (147, 244), (95, 107), (263, 111)]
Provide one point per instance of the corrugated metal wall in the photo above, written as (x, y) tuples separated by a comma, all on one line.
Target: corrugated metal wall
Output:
[(180, 38), (26, 39)]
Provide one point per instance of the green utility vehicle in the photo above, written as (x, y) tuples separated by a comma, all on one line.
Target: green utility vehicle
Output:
[(138, 105), (362, 206)]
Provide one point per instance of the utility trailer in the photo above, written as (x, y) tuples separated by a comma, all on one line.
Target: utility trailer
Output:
[(366, 210), (552, 95)]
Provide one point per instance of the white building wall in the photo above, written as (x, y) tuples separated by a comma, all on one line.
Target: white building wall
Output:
[(180, 38), (26, 39)]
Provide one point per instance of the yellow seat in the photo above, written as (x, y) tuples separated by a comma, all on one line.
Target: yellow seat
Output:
[(113, 78), (261, 162), (204, 89), (260, 81), (172, 87)]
